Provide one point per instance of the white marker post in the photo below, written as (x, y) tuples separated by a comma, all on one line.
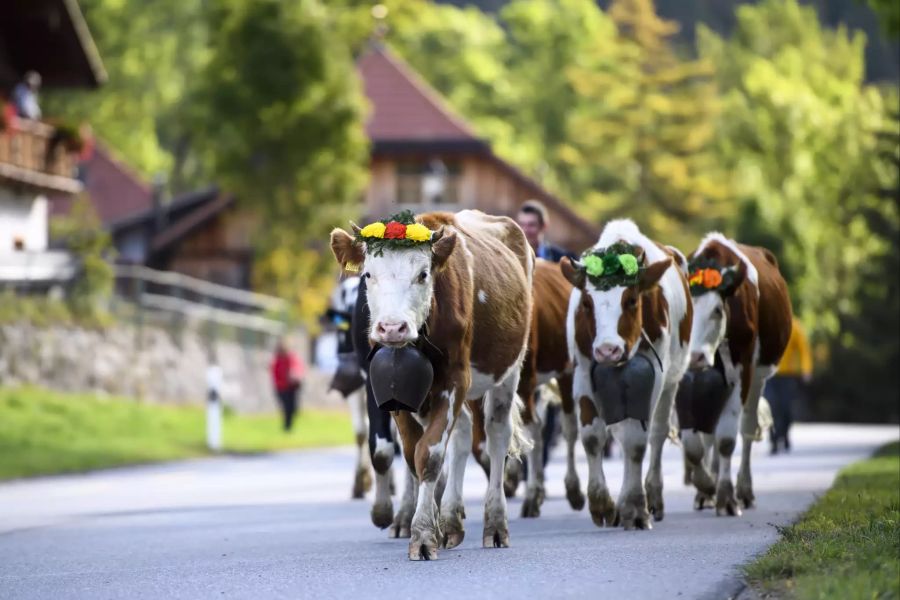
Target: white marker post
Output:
[(214, 407)]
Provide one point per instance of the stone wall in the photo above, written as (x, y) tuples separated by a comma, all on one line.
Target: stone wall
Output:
[(150, 364)]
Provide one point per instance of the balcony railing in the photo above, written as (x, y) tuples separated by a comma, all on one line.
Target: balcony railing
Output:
[(27, 156)]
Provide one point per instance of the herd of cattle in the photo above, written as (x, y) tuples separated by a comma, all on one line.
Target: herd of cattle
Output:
[(634, 335)]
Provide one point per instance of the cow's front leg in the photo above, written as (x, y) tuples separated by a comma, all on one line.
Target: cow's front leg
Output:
[(504, 436), (403, 519), (452, 509), (425, 533), (750, 432), (570, 433), (534, 485), (660, 427), (726, 439), (593, 438), (632, 506)]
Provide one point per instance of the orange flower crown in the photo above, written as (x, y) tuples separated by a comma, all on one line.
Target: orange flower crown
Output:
[(707, 276)]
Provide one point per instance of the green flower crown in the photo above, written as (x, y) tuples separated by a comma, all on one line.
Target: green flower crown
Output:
[(615, 265), (396, 232)]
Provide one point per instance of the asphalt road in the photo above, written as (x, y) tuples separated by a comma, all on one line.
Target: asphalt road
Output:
[(282, 526)]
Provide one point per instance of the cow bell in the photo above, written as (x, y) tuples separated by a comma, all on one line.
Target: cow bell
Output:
[(624, 390), (348, 376), (401, 378), (701, 399)]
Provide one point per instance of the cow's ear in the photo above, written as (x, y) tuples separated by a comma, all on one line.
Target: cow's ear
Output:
[(732, 278), (650, 276), (346, 249), (573, 271), (442, 245)]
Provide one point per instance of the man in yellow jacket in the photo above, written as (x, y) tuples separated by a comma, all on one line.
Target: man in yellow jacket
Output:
[(789, 382)]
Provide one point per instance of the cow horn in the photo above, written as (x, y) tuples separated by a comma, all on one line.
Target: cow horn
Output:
[(356, 228), (438, 234)]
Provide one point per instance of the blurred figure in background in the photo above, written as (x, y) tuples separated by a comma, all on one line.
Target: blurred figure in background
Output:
[(788, 385), (287, 376), (25, 96), (533, 220)]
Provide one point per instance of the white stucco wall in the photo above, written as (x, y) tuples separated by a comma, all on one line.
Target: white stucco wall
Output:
[(23, 216)]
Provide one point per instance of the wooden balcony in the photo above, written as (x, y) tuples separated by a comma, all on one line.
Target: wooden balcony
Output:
[(26, 157)]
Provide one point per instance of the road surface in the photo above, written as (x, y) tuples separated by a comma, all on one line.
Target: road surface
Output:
[(282, 526)]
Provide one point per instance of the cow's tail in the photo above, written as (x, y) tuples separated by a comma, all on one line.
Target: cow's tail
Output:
[(520, 442)]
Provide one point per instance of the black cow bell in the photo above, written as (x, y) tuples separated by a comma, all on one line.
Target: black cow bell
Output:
[(624, 389), (400, 378), (701, 398), (348, 376)]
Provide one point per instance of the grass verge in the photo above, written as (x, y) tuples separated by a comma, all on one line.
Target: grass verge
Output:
[(848, 545), (44, 432)]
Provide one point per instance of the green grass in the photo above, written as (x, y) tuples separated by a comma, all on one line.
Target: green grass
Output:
[(848, 545), (44, 432)]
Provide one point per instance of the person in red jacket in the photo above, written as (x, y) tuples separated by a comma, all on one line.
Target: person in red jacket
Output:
[(287, 375)]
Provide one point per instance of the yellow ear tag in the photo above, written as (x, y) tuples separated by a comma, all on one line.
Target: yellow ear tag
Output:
[(352, 267)]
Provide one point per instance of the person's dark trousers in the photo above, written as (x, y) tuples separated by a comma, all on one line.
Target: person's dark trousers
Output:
[(549, 432), (288, 400), (781, 390)]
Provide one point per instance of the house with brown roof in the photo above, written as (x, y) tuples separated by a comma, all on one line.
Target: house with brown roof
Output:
[(423, 157)]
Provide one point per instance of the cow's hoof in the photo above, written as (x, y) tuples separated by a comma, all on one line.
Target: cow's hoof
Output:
[(574, 494), (422, 546), (383, 514), (655, 501), (601, 506), (632, 513), (512, 478), (401, 526), (726, 504), (495, 539), (745, 492), (361, 484), (531, 508), (704, 482), (702, 501), (452, 526)]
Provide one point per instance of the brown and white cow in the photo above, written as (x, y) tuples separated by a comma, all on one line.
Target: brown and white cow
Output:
[(471, 290), (652, 317), (747, 321), (547, 359)]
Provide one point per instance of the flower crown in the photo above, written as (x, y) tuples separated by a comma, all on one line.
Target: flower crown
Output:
[(612, 266), (396, 232), (706, 275)]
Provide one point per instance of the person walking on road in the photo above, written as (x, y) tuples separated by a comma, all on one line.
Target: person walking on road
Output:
[(287, 376), (789, 384)]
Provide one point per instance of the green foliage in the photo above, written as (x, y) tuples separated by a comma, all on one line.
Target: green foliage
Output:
[(645, 125), (848, 544), (92, 248), (150, 51), (37, 310), (276, 114), (889, 15), (44, 432), (799, 131)]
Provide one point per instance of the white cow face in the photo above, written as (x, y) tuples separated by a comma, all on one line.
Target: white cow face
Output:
[(399, 284), (617, 312), (708, 329), (399, 290)]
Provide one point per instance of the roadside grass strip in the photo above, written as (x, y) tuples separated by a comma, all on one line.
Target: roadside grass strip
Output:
[(848, 545), (45, 432)]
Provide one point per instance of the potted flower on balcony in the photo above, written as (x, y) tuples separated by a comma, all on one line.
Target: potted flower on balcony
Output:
[(68, 136)]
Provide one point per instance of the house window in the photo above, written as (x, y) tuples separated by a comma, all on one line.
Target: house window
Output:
[(428, 182), (18, 243)]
